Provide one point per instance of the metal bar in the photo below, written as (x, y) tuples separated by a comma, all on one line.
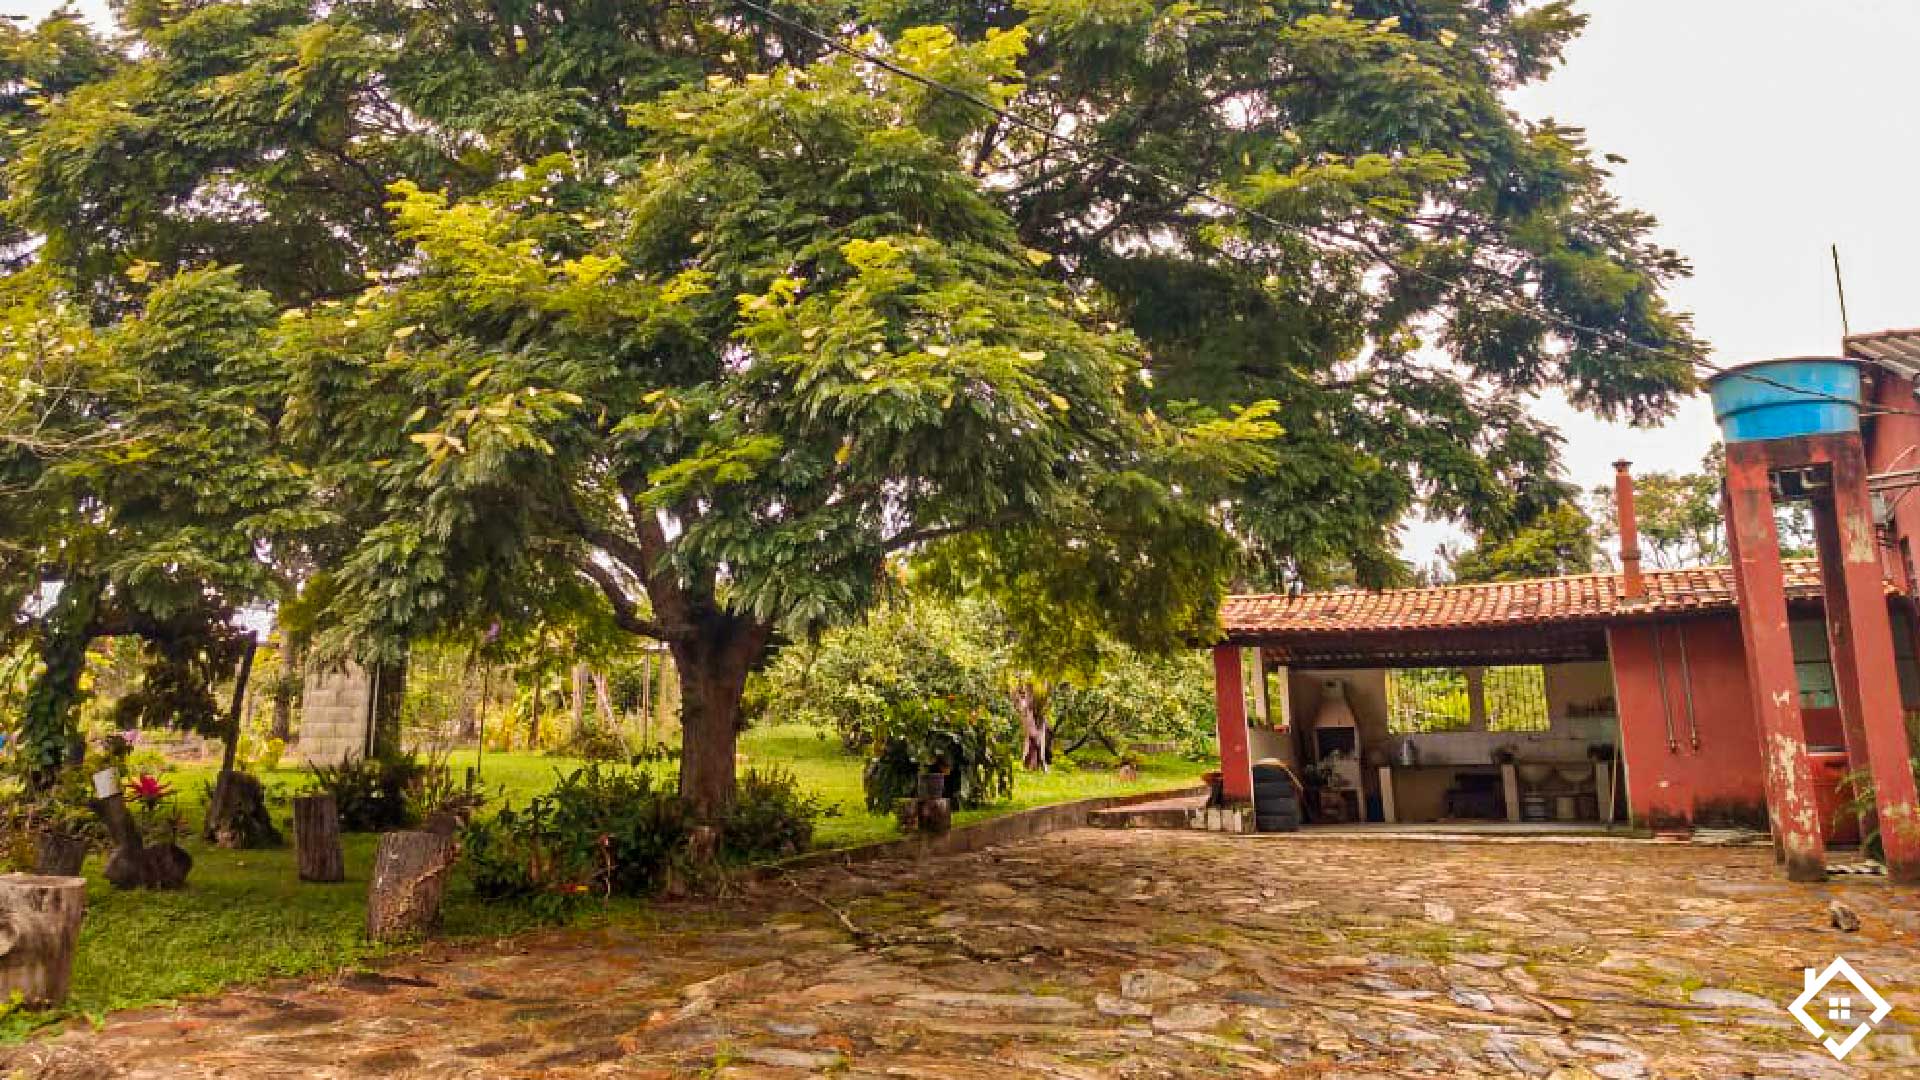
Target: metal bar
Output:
[(1686, 685), (1894, 481), (1666, 709)]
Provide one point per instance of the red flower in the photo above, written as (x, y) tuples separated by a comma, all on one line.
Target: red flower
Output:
[(148, 790)]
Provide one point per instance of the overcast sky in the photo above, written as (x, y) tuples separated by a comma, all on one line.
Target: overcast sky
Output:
[(1759, 132)]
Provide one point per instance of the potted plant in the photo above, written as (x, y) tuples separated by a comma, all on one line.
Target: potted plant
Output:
[(62, 826)]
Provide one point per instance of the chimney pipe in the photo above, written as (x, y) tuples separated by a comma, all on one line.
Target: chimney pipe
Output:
[(1633, 585)]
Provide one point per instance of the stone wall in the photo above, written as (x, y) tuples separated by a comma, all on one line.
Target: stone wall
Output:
[(334, 709)]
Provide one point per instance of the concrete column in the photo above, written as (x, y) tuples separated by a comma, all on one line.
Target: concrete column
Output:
[(1860, 637), (1792, 806), (1230, 712)]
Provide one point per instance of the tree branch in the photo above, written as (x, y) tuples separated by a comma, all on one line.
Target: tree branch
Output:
[(625, 614)]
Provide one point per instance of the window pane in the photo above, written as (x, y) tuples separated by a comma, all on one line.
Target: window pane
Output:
[(1816, 685), (1517, 699), (1428, 699)]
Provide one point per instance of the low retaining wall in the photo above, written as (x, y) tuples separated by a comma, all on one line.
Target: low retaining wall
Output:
[(1022, 825)]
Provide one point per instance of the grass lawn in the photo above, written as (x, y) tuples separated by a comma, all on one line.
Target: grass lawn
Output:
[(245, 917)]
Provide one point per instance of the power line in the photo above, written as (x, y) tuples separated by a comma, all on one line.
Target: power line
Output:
[(1194, 191)]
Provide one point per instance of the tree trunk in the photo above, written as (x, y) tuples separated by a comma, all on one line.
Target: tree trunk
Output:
[(389, 694), (293, 663), (39, 923), (316, 838), (603, 699), (47, 723), (1030, 702), (409, 881), (577, 703), (713, 677)]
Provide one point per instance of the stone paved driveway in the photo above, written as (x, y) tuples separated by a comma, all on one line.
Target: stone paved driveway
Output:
[(1110, 954)]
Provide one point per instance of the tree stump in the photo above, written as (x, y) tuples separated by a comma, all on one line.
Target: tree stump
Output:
[(39, 922), (60, 855), (409, 880), (237, 814), (316, 838), (134, 864)]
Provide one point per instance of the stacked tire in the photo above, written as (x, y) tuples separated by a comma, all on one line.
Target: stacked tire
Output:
[(1276, 799)]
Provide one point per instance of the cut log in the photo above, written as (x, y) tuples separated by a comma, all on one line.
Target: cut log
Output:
[(134, 864), (316, 838), (409, 881), (39, 923), (60, 855), (237, 814)]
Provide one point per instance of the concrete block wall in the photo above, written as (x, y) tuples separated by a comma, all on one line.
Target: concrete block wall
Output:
[(334, 709)]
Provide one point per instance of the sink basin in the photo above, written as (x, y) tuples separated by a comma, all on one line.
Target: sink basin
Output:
[(1533, 772), (1578, 773)]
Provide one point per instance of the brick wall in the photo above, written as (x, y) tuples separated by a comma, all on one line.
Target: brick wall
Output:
[(333, 716)]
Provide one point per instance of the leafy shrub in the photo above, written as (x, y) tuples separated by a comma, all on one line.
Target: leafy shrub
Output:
[(973, 745), (598, 744), (852, 679), (601, 829), (256, 754), (63, 811), (371, 793), (434, 791), (1132, 698), (148, 760), (1859, 803), (771, 817)]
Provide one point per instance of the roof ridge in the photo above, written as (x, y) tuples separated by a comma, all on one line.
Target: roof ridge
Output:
[(1467, 586)]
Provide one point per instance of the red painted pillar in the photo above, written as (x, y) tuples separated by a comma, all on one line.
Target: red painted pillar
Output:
[(1792, 805), (1860, 635), (1230, 712)]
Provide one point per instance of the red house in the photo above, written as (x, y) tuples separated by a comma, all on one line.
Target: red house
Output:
[(1597, 698)]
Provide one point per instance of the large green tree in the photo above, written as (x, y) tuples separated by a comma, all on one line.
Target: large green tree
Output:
[(150, 487), (651, 295)]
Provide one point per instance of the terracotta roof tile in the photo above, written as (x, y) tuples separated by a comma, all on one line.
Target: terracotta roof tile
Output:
[(1582, 598)]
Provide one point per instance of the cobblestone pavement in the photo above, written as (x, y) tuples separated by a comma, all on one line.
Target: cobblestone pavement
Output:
[(1101, 953)]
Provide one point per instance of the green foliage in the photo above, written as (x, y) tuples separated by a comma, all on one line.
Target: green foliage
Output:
[(1857, 804), (972, 745), (63, 810), (564, 316), (852, 680), (1428, 699), (772, 817), (1680, 520), (1559, 541), (1138, 698), (601, 830), (371, 794)]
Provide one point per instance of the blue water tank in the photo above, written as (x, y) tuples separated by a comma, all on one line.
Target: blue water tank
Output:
[(1780, 399)]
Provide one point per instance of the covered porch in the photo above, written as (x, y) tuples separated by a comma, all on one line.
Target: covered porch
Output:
[(1578, 700), (1421, 728)]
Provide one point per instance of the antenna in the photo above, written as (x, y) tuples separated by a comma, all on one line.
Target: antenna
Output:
[(1840, 287)]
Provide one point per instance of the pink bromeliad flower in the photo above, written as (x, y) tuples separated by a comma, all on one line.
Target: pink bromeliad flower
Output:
[(147, 790)]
